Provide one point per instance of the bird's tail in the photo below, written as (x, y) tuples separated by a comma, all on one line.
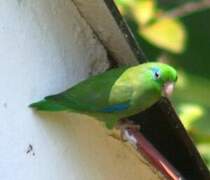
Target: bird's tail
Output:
[(46, 105)]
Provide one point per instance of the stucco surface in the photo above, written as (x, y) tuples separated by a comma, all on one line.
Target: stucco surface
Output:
[(45, 47)]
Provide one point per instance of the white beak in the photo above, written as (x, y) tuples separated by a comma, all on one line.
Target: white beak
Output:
[(168, 89)]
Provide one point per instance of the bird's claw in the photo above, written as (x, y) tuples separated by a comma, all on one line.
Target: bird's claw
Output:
[(122, 126)]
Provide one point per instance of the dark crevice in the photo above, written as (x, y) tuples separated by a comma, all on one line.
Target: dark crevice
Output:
[(162, 127)]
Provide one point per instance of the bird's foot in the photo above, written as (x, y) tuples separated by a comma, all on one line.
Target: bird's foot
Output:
[(127, 125), (121, 128)]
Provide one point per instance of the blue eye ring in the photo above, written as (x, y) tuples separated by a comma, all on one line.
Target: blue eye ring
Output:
[(156, 73)]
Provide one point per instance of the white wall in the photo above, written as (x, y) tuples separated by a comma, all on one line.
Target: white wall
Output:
[(45, 47)]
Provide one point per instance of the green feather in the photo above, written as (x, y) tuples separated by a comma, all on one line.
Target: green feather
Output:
[(47, 106), (133, 88)]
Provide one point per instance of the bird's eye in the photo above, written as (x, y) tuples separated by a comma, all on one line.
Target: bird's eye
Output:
[(156, 74)]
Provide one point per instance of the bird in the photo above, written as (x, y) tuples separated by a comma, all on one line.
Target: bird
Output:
[(116, 94)]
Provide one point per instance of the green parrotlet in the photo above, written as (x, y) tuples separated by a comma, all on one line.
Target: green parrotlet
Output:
[(115, 94)]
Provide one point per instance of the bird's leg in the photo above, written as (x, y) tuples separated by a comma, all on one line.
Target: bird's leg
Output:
[(127, 124), (122, 126)]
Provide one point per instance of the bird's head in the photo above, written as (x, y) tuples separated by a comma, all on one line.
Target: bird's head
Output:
[(163, 77)]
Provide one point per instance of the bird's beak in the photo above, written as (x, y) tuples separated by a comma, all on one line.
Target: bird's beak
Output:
[(168, 89)]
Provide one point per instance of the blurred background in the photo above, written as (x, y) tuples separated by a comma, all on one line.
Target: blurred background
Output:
[(178, 33)]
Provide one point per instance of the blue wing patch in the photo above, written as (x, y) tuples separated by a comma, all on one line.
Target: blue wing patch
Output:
[(115, 108)]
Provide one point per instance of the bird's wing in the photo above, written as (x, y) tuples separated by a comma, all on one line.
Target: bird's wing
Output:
[(101, 93)]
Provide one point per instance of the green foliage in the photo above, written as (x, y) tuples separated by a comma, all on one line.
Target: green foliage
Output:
[(162, 31), (184, 42), (144, 11), (165, 33)]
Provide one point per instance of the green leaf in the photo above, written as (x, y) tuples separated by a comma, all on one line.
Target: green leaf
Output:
[(144, 11), (124, 6), (166, 33), (124, 2), (205, 153), (189, 113)]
